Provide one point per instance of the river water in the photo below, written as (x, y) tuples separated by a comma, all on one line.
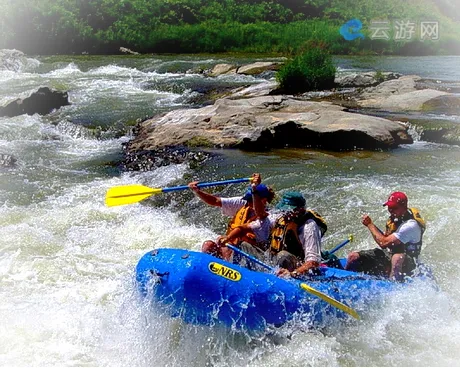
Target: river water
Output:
[(67, 290)]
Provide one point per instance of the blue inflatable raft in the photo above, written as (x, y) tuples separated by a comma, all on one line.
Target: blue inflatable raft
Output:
[(204, 290)]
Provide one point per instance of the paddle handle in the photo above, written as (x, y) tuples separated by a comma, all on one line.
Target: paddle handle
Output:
[(248, 256), (350, 238), (203, 185)]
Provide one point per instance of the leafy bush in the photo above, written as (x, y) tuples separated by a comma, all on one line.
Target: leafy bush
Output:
[(379, 77), (311, 70)]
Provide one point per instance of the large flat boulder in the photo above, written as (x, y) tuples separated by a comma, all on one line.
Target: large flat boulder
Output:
[(398, 95), (266, 122)]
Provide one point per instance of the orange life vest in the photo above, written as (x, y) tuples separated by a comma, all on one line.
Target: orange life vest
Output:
[(244, 215)]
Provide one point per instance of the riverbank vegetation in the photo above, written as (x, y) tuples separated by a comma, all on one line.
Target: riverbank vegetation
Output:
[(199, 26), (311, 70)]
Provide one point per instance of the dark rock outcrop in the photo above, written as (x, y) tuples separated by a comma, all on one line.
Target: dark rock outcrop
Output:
[(438, 131), (41, 102)]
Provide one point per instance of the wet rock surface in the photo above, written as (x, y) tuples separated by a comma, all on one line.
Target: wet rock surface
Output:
[(146, 160), (7, 161), (266, 122), (366, 79), (398, 95)]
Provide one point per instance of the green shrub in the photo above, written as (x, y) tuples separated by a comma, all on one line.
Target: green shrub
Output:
[(311, 70), (379, 77)]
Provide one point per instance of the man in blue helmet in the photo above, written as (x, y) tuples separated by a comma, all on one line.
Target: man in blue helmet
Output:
[(242, 211)]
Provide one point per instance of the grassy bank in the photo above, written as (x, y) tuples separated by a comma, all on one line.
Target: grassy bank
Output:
[(198, 26)]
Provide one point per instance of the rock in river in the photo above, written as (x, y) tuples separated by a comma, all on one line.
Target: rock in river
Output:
[(261, 123)]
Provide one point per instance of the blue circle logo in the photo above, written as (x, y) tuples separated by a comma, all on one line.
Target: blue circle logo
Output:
[(350, 29)]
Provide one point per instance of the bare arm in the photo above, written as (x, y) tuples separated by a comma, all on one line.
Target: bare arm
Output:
[(207, 198), (236, 233), (384, 241), (213, 200)]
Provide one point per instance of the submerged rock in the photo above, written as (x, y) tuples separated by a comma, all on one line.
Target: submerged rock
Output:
[(146, 160), (41, 102), (265, 122), (7, 161)]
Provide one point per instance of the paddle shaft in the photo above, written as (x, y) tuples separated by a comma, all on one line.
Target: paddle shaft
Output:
[(248, 256), (341, 245), (204, 185)]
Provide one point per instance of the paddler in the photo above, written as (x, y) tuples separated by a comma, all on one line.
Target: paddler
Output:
[(242, 211), (399, 245)]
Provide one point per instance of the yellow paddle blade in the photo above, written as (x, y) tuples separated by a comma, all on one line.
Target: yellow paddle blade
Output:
[(330, 300), (127, 194)]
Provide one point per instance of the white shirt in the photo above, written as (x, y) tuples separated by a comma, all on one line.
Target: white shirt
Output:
[(230, 206), (263, 227), (310, 237), (409, 232)]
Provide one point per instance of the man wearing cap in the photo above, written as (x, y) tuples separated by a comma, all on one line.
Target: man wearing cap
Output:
[(295, 244), (242, 212), (400, 244)]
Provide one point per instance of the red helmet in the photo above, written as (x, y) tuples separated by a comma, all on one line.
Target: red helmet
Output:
[(396, 199)]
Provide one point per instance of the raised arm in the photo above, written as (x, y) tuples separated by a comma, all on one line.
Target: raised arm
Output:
[(207, 198), (211, 199)]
